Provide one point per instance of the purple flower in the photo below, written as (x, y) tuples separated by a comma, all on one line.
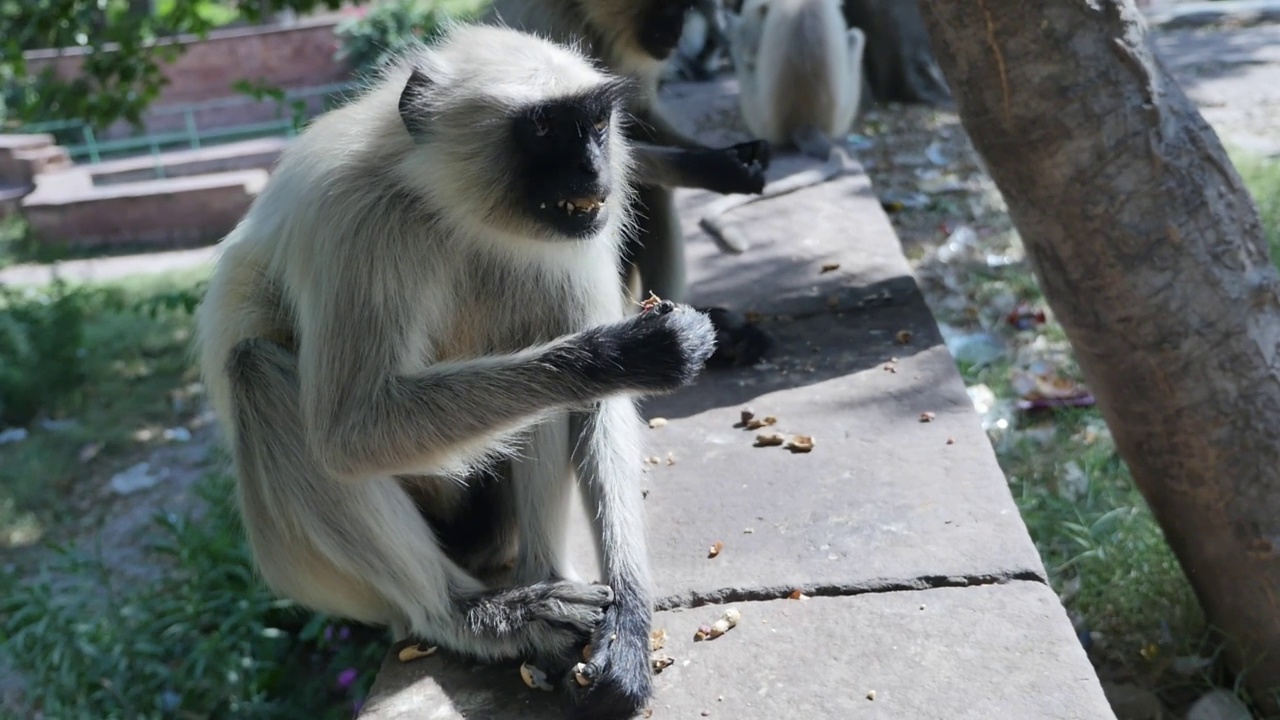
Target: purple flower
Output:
[(328, 633), (346, 678), (344, 632)]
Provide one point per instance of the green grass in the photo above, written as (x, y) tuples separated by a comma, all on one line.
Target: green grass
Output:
[(110, 370), (1262, 177), (203, 637), (203, 640), (1104, 551)]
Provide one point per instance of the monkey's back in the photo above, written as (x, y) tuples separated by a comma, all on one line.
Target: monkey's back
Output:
[(801, 69)]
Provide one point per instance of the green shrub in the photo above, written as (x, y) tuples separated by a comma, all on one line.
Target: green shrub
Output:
[(41, 349)]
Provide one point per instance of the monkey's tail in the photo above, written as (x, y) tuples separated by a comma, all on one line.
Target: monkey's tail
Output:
[(838, 163)]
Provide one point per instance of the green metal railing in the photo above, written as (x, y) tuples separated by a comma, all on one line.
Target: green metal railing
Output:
[(92, 150)]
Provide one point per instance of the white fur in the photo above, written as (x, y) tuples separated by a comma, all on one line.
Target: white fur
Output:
[(798, 65)]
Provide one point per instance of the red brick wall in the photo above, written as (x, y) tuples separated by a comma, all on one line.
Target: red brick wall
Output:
[(298, 56)]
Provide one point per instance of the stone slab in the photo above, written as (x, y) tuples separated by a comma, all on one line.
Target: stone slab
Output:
[(996, 651), (882, 501), (838, 225)]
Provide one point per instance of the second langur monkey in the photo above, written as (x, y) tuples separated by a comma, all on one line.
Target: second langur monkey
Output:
[(635, 39), (799, 70), (416, 341)]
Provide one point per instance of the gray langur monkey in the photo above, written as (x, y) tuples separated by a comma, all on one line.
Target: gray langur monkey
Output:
[(635, 39), (416, 339), (799, 70)]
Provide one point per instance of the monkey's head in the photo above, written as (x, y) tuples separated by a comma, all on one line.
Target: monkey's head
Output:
[(517, 134), (648, 27)]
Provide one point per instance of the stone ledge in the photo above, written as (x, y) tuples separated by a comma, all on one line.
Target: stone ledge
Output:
[(995, 651)]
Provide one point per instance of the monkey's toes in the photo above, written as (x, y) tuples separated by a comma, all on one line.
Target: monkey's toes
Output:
[(754, 153)]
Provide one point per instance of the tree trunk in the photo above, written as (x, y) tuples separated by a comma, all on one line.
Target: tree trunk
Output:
[(1149, 250), (899, 63)]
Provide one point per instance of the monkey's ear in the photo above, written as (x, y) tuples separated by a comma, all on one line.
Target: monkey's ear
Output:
[(412, 110)]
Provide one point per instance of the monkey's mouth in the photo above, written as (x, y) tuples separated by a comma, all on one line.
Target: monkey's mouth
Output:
[(581, 205)]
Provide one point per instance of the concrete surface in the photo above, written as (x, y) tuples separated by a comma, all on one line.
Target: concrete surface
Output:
[(885, 515)]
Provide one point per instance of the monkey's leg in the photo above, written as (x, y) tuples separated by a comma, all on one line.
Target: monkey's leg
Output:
[(360, 549), (542, 483), (659, 256), (838, 162), (608, 455)]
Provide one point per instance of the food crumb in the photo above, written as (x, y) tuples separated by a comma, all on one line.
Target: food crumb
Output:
[(715, 549), (871, 694), (797, 594), (800, 444), (903, 337), (413, 652), (951, 441), (657, 422), (829, 267), (769, 439), (927, 417)]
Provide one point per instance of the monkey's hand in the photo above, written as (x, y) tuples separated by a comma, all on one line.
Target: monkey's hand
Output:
[(659, 350), (617, 680), (737, 169), (549, 620)]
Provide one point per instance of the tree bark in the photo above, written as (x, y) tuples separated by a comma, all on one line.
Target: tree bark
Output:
[(898, 61), (1150, 251)]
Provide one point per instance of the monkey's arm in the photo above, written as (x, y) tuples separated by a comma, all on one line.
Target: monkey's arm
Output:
[(364, 418), (736, 169), (648, 125)]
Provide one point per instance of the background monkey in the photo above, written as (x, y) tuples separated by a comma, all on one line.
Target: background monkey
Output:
[(799, 70), (635, 38), (415, 339)]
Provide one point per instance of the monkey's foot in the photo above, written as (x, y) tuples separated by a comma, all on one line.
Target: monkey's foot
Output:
[(739, 343), (617, 681), (549, 621)]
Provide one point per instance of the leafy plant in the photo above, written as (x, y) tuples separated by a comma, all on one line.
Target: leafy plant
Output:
[(390, 26), (41, 350)]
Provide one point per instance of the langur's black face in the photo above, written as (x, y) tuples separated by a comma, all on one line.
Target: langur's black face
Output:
[(562, 161), (661, 25)]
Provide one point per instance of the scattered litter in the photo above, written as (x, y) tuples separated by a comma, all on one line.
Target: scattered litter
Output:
[(177, 434), (661, 662), (715, 549), (830, 267), (13, 435), (797, 594), (746, 415), (657, 422), (927, 417), (903, 337), (137, 478), (871, 694)]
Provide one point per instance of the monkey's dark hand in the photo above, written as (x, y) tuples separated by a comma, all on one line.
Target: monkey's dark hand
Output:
[(658, 350), (737, 169), (618, 677)]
